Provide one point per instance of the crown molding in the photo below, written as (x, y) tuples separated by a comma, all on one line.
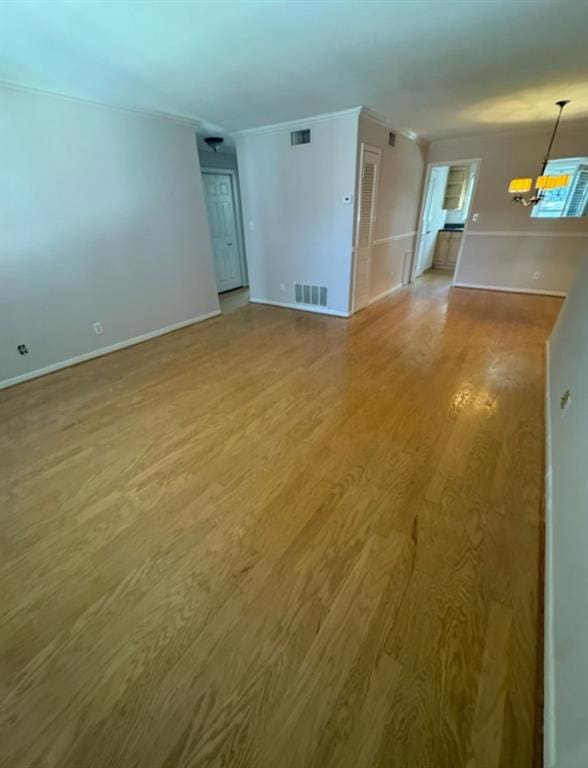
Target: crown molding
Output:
[(385, 122), (168, 116), (298, 123), (530, 129), (365, 112)]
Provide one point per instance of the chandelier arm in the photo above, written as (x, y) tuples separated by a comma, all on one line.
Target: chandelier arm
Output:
[(561, 105)]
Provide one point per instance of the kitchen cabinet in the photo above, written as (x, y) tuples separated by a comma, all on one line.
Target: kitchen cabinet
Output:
[(456, 188), (447, 249)]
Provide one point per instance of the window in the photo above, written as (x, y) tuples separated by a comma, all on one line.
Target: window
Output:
[(570, 201)]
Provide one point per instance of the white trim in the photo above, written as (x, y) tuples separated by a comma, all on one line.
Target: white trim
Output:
[(509, 290), (289, 125), (302, 307), (211, 169), (549, 753), (238, 216), (466, 225), (393, 238), (374, 117), (472, 161), (181, 119), (383, 295), (106, 350), (504, 233)]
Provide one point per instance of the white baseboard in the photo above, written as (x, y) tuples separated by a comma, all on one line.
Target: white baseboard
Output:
[(383, 295), (301, 307), (105, 350), (549, 753), (509, 290)]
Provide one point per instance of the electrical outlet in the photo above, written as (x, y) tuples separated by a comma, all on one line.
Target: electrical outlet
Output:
[(475, 217), (251, 226), (22, 349), (536, 275), (282, 288), (98, 329)]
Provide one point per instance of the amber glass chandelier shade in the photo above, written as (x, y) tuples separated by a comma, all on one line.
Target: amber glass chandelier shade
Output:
[(518, 186), (553, 182)]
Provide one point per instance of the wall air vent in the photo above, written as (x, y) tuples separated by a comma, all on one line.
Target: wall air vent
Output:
[(300, 137), (392, 139), (314, 295)]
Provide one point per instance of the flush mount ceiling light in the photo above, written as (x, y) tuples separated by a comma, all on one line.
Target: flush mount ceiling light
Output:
[(518, 187), (214, 142)]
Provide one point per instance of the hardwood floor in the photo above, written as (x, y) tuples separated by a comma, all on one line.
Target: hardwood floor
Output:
[(281, 540), (232, 300)]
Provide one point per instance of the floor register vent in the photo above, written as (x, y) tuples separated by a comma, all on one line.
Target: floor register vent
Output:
[(315, 295)]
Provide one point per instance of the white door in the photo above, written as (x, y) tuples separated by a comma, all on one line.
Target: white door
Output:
[(370, 166), (218, 193), (433, 219)]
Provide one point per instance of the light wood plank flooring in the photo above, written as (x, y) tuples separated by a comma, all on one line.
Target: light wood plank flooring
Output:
[(232, 300), (281, 540)]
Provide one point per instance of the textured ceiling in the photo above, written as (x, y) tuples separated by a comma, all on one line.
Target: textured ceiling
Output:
[(436, 68)]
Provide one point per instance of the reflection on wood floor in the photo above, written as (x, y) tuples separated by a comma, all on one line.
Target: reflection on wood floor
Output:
[(232, 300), (281, 539)]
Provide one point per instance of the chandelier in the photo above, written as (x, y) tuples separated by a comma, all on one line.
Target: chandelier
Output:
[(518, 187)]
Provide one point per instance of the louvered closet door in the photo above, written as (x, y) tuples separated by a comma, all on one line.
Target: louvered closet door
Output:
[(365, 225)]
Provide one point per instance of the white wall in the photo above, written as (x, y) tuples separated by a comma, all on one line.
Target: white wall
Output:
[(399, 197), (210, 159), (102, 219), (566, 630), (505, 247), (293, 197)]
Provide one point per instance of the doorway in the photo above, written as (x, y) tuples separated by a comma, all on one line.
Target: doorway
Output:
[(368, 188), (445, 212), (221, 197)]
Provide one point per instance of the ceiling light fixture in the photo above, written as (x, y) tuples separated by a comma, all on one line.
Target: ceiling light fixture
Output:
[(518, 187), (214, 142)]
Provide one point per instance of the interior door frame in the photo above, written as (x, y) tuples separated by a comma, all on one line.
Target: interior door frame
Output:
[(212, 171), (472, 161), (431, 189), (364, 147)]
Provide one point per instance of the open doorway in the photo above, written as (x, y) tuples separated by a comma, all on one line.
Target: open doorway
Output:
[(222, 204), (445, 209), (220, 184)]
